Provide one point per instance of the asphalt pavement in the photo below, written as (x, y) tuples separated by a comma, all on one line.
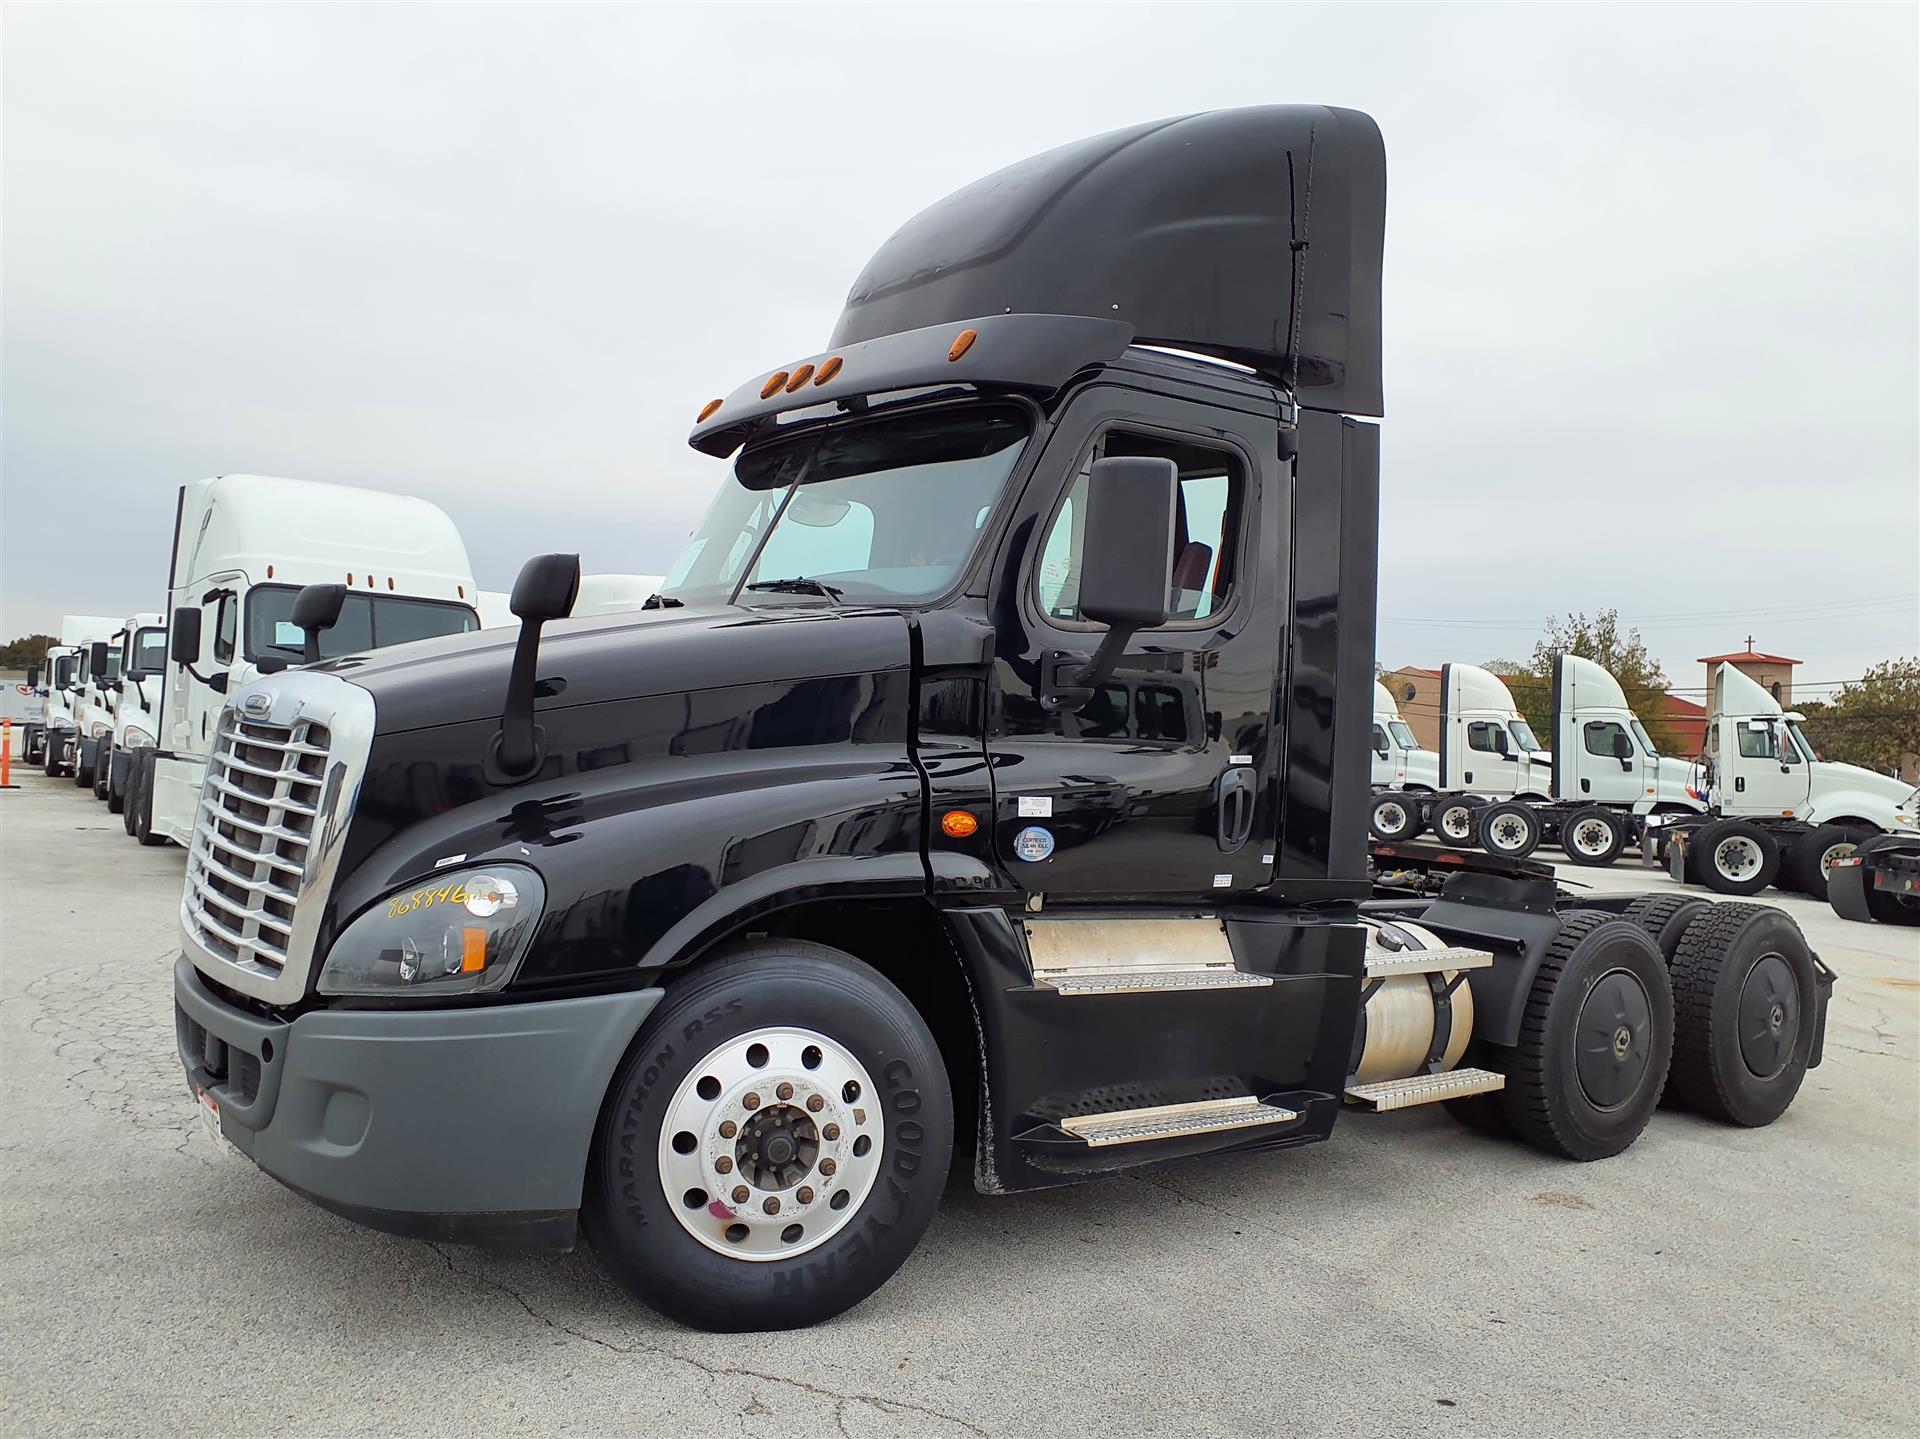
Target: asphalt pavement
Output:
[(1409, 1278)]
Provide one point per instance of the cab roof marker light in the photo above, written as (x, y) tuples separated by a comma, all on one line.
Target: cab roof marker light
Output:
[(800, 377), (773, 384), (707, 411), (829, 367), (962, 342)]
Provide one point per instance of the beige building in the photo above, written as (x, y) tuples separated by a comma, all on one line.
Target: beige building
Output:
[(1417, 693), (1773, 673)]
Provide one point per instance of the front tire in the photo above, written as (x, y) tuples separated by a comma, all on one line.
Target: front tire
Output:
[(1747, 1001), (1596, 1038), (140, 800), (1394, 818), (716, 1100), (1735, 857), (1593, 836), (103, 771), (1455, 821)]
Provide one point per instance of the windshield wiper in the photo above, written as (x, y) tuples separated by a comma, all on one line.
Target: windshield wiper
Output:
[(663, 602), (799, 585)]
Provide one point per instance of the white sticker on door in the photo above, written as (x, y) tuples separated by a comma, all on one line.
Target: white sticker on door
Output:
[(1036, 806)]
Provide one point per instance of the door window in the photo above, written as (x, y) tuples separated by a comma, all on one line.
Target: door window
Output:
[(1209, 514), (1480, 736), (1756, 743), (1380, 745), (1599, 737), (226, 628)]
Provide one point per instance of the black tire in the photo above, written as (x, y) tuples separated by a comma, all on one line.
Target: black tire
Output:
[(103, 771), (82, 771), (1593, 835), (140, 805), (50, 756), (1803, 864), (1732, 856), (1455, 821), (1394, 817), (117, 798), (1892, 908), (765, 986), (1746, 998), (1666, 917), (1509, 829), (130, 805), (1577, 1099)]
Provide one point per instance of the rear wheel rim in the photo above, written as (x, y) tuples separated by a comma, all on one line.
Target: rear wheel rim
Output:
[(1737, 858), (1592, 836), (1769, 1016), (1834, 853), (1391, 817), (1456, 822), (1612, 1039), (771, 1144), (1507, 832)]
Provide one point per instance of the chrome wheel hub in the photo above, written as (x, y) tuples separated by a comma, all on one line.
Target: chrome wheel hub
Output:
[(771, 1144)]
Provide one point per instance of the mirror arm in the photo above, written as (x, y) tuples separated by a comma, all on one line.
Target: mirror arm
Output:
[(1112, 645), (518, 746)]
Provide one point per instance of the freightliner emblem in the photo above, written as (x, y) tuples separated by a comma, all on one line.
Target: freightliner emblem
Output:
[(256, 706)]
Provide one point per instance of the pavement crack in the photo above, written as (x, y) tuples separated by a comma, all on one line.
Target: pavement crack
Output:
[(892, 1408)]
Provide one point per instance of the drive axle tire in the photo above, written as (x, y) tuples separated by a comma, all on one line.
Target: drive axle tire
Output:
[(1666, 917), (1804, 864), (1746, 1002), (1735, 857), (1510, 830), (1455, 822), (1394, 818), (1593, 835), (1596, 1038), (768, 1084)]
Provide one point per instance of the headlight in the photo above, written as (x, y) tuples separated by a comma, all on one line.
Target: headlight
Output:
[(138, 738), (462, 934)]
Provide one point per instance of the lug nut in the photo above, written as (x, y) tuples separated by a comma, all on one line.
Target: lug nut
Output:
[(728, 1129), (827, 1166), (723, 1164), (830, 1131), (772, 1206), (804, 1194), (752, 1101), (784, 1090), (741, 1194), (816, 1103)]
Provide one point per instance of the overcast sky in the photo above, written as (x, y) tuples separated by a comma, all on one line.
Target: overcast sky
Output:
[(1652, 312)]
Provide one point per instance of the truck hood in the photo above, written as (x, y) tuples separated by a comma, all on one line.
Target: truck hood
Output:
[(1831, 777), (463, 678)]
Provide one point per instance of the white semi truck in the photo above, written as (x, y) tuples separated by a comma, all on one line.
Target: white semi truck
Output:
[(1776, 812), (67, 667), (1403, 772), (244, 547), (1487, 752), (139, 649), (599, 595)]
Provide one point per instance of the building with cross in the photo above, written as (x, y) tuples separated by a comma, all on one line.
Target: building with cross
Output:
[(1773, 673)]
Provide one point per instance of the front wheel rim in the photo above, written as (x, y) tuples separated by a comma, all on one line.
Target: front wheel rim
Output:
[(1390, 817), (771, 1144)]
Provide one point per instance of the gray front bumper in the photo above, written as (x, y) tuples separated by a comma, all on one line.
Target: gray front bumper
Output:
[(464, 1124)]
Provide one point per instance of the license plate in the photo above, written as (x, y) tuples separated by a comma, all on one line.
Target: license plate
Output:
[(210, 1122)]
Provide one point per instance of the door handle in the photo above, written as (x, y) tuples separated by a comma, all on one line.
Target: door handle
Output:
[(1233, 806), (1740, 783)]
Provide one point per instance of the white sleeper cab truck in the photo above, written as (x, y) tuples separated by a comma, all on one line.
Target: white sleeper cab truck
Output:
[(1776, 812), (141, 644), (57, 675), (1607, 774), (244, 547), (599, 595), (1401, 768), (1487, 752)]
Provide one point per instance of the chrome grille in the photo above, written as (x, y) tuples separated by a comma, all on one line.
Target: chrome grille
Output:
[(252, 835), (283, 772)]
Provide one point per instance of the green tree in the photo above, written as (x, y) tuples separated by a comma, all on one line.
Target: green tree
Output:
[(1874, 721), (1600, 639), (27, 650)]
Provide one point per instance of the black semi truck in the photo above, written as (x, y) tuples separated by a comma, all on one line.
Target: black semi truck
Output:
[(989, 777)]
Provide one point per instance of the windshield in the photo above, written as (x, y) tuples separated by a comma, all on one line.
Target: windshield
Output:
[(367, 622), (1523, 736), (884, 510), (1800, 739), (1640, 733), (63, 672), (1403, 735)]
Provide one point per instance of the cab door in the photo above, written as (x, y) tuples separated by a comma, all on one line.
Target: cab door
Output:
[(1164, 782), (192, 704), (1761, 771)]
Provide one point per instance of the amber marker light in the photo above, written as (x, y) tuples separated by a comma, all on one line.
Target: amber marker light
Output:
[(962, 342), (473, 949), (958, 824), (800, 377), (829, 367), (706, 411), (773, 384)]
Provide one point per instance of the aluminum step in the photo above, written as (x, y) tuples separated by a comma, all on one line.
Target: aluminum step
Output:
[(1173, 1121), (1426, 1089), (1149, 981), (1384, 962)]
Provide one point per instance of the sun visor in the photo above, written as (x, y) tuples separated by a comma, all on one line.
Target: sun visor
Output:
[(1253, 234)]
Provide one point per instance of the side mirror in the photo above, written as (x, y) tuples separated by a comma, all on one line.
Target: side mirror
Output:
[(1622, 747), (1381, 749), (137, 675), (183, 636), (33, 677), (1500, 742), (545, 590), (1126, 569), (272, 664), (315, 609), (97, 661)]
